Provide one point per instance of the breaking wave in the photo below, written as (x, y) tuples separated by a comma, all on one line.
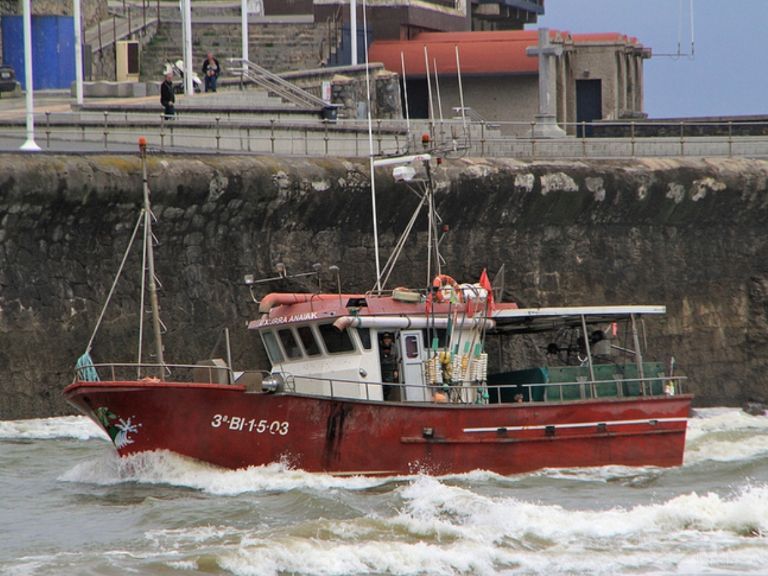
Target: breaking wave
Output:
[(437, 528), (167, 468), (274, 520), (77, 427)]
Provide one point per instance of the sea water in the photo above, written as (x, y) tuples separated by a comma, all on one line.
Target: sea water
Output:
[(68, 505)]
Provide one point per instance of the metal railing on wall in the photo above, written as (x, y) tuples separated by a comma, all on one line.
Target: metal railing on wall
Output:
[(274, 84), (220, 132), (133, 20)]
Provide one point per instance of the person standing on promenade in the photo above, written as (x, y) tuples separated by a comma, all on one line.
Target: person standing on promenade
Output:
[(167, 97), (211, 71)]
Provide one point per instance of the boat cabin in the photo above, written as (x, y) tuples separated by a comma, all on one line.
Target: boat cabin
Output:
[(337, 345), (385, 348)]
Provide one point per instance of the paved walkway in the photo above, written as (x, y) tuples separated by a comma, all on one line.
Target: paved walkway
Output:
[(61, 101), (45, 101), (58, 101)]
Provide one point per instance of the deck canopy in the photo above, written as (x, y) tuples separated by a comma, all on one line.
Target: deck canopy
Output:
[(530, 320)]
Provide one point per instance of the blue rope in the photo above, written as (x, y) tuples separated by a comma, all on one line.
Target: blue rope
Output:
[(85, 369)]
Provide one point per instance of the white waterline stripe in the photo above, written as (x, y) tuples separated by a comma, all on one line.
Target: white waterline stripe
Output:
[(575, 425)]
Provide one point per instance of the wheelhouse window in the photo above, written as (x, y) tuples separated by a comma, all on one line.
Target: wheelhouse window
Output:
[(311, 347), (336, 341), (273, 349), (365, 337), (290, 345)]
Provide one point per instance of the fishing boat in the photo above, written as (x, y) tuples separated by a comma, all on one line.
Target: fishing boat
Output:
[(422, 380)]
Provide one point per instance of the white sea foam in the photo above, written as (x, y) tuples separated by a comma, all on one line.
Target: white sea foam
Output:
[(104, 470), (77, 427), (709, 420), (318, 557), (66, 562), (183, 565), (602, 474), (725, 435), (433, 506), (163, 467), (444, 529)]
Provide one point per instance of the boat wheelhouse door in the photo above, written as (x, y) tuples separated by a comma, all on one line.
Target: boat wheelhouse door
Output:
[(411, 354)]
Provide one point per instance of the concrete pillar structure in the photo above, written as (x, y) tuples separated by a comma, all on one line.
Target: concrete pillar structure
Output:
[(621, 101), (632, 82), (639, 83), (546, 120), (562, 91), (621, 85)]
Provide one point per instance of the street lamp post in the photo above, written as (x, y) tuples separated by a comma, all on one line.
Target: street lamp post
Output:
[(29, 145), (78, 54), (186, 20), (244, 17), (353, 30)]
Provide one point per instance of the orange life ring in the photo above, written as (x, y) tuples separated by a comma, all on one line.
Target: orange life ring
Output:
[(444, 286)]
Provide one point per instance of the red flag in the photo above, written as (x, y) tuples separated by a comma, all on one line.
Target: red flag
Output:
[(486, 283)]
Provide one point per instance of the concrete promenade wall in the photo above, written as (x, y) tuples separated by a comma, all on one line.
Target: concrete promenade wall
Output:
[(682, 232)]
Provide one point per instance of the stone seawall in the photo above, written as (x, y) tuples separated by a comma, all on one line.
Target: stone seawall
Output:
[(690, 234)]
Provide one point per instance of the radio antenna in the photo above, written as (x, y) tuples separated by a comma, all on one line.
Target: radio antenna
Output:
[(679, 54)]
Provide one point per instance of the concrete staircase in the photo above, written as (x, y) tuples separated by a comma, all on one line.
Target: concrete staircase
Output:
[(279, 47)]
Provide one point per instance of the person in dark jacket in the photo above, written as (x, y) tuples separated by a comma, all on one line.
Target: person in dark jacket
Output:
[(167, 97), (211, 71), (390, 366)]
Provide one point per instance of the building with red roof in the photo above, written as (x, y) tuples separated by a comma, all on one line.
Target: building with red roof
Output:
[(405, 19), (596, 76)]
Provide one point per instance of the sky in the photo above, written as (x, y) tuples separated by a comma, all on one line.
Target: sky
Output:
[(728, 73)]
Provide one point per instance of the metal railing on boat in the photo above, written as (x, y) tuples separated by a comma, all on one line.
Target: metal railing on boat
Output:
[(208, 373), (474, 393), (479, 393)]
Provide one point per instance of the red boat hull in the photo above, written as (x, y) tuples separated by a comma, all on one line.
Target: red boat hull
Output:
[(232, 428)]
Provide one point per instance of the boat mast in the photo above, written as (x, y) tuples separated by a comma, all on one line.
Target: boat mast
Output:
[(353, 29), (432, 240), (150, 253)]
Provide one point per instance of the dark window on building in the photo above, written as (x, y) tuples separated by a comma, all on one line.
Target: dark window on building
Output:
[(335, 340)]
